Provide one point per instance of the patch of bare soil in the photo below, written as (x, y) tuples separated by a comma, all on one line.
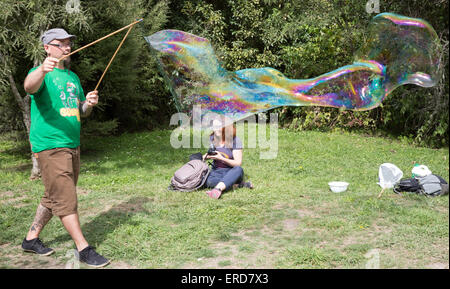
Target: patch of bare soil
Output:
[(12, 256), (245, 250), (255, 248), (290, 224), (82, 191), (7, 194), (8, 198), (437, 266)]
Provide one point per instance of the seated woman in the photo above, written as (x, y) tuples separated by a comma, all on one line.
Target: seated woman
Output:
[(226, 169)]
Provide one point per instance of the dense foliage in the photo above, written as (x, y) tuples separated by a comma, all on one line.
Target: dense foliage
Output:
[(300, 38)]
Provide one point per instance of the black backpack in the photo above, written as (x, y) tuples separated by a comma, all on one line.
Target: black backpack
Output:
[(407, 185)]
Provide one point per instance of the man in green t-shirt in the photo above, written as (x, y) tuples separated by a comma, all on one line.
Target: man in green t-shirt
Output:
[(57, 102)]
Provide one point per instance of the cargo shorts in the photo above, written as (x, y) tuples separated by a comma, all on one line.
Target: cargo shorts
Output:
[(60, 168)]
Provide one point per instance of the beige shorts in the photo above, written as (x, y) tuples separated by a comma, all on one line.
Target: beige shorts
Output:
[(60, 168)]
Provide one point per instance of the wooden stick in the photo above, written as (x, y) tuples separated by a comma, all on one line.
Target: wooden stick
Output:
[(100, 39), (379, 195), (112, 58)]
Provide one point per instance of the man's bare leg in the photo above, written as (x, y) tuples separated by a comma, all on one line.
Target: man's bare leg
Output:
[(72, 225), (43, 215), (88, 256)]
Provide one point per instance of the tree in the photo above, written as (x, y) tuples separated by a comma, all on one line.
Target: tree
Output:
[(131, 91), (304, 39)]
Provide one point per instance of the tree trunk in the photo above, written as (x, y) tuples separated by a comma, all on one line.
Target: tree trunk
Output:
[(24, 104)]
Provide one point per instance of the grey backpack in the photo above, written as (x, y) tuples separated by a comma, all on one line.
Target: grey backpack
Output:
[(433, 185), (190, 177), (430, 185)]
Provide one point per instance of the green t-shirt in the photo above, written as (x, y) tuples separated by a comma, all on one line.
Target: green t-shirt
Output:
[(55, 116)]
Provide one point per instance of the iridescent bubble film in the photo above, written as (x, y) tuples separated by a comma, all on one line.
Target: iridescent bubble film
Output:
[(398, 50)]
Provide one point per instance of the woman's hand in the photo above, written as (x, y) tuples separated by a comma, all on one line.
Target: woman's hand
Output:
[(236, 161), (218, 156)]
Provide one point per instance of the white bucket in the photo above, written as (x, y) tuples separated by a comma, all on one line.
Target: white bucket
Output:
[(338, 187)]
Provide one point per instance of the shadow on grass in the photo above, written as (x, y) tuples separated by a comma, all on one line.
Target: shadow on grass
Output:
[(21, 148), (19, 168), (149, 151), (21, 151), (133, 152), (97, 230)]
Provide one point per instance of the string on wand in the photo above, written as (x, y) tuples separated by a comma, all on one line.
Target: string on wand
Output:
[(112, 58)]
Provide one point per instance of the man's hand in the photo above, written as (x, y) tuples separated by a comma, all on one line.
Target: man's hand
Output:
[(87, 105), (49, 64), (92, 98), (33, 81)]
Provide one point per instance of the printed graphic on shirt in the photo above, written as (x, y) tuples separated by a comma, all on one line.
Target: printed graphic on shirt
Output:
[(69, 99), (225, 153)]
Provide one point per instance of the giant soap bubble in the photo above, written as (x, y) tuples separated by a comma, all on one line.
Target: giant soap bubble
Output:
[(399, 50)]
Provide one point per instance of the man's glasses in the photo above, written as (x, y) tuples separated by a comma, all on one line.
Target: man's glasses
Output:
[(61, 45)]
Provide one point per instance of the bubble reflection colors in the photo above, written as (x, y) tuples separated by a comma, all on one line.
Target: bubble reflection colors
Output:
[(399, 50)]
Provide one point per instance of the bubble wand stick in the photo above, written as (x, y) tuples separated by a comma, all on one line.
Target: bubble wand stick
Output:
[(112, 58), (100, 39)]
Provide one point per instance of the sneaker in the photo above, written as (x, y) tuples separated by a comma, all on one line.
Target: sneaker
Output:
[(36, 246), (248, 185), (214, 193), (92, 258)]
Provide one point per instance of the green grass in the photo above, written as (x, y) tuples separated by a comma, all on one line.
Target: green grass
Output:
[(290, 220)]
